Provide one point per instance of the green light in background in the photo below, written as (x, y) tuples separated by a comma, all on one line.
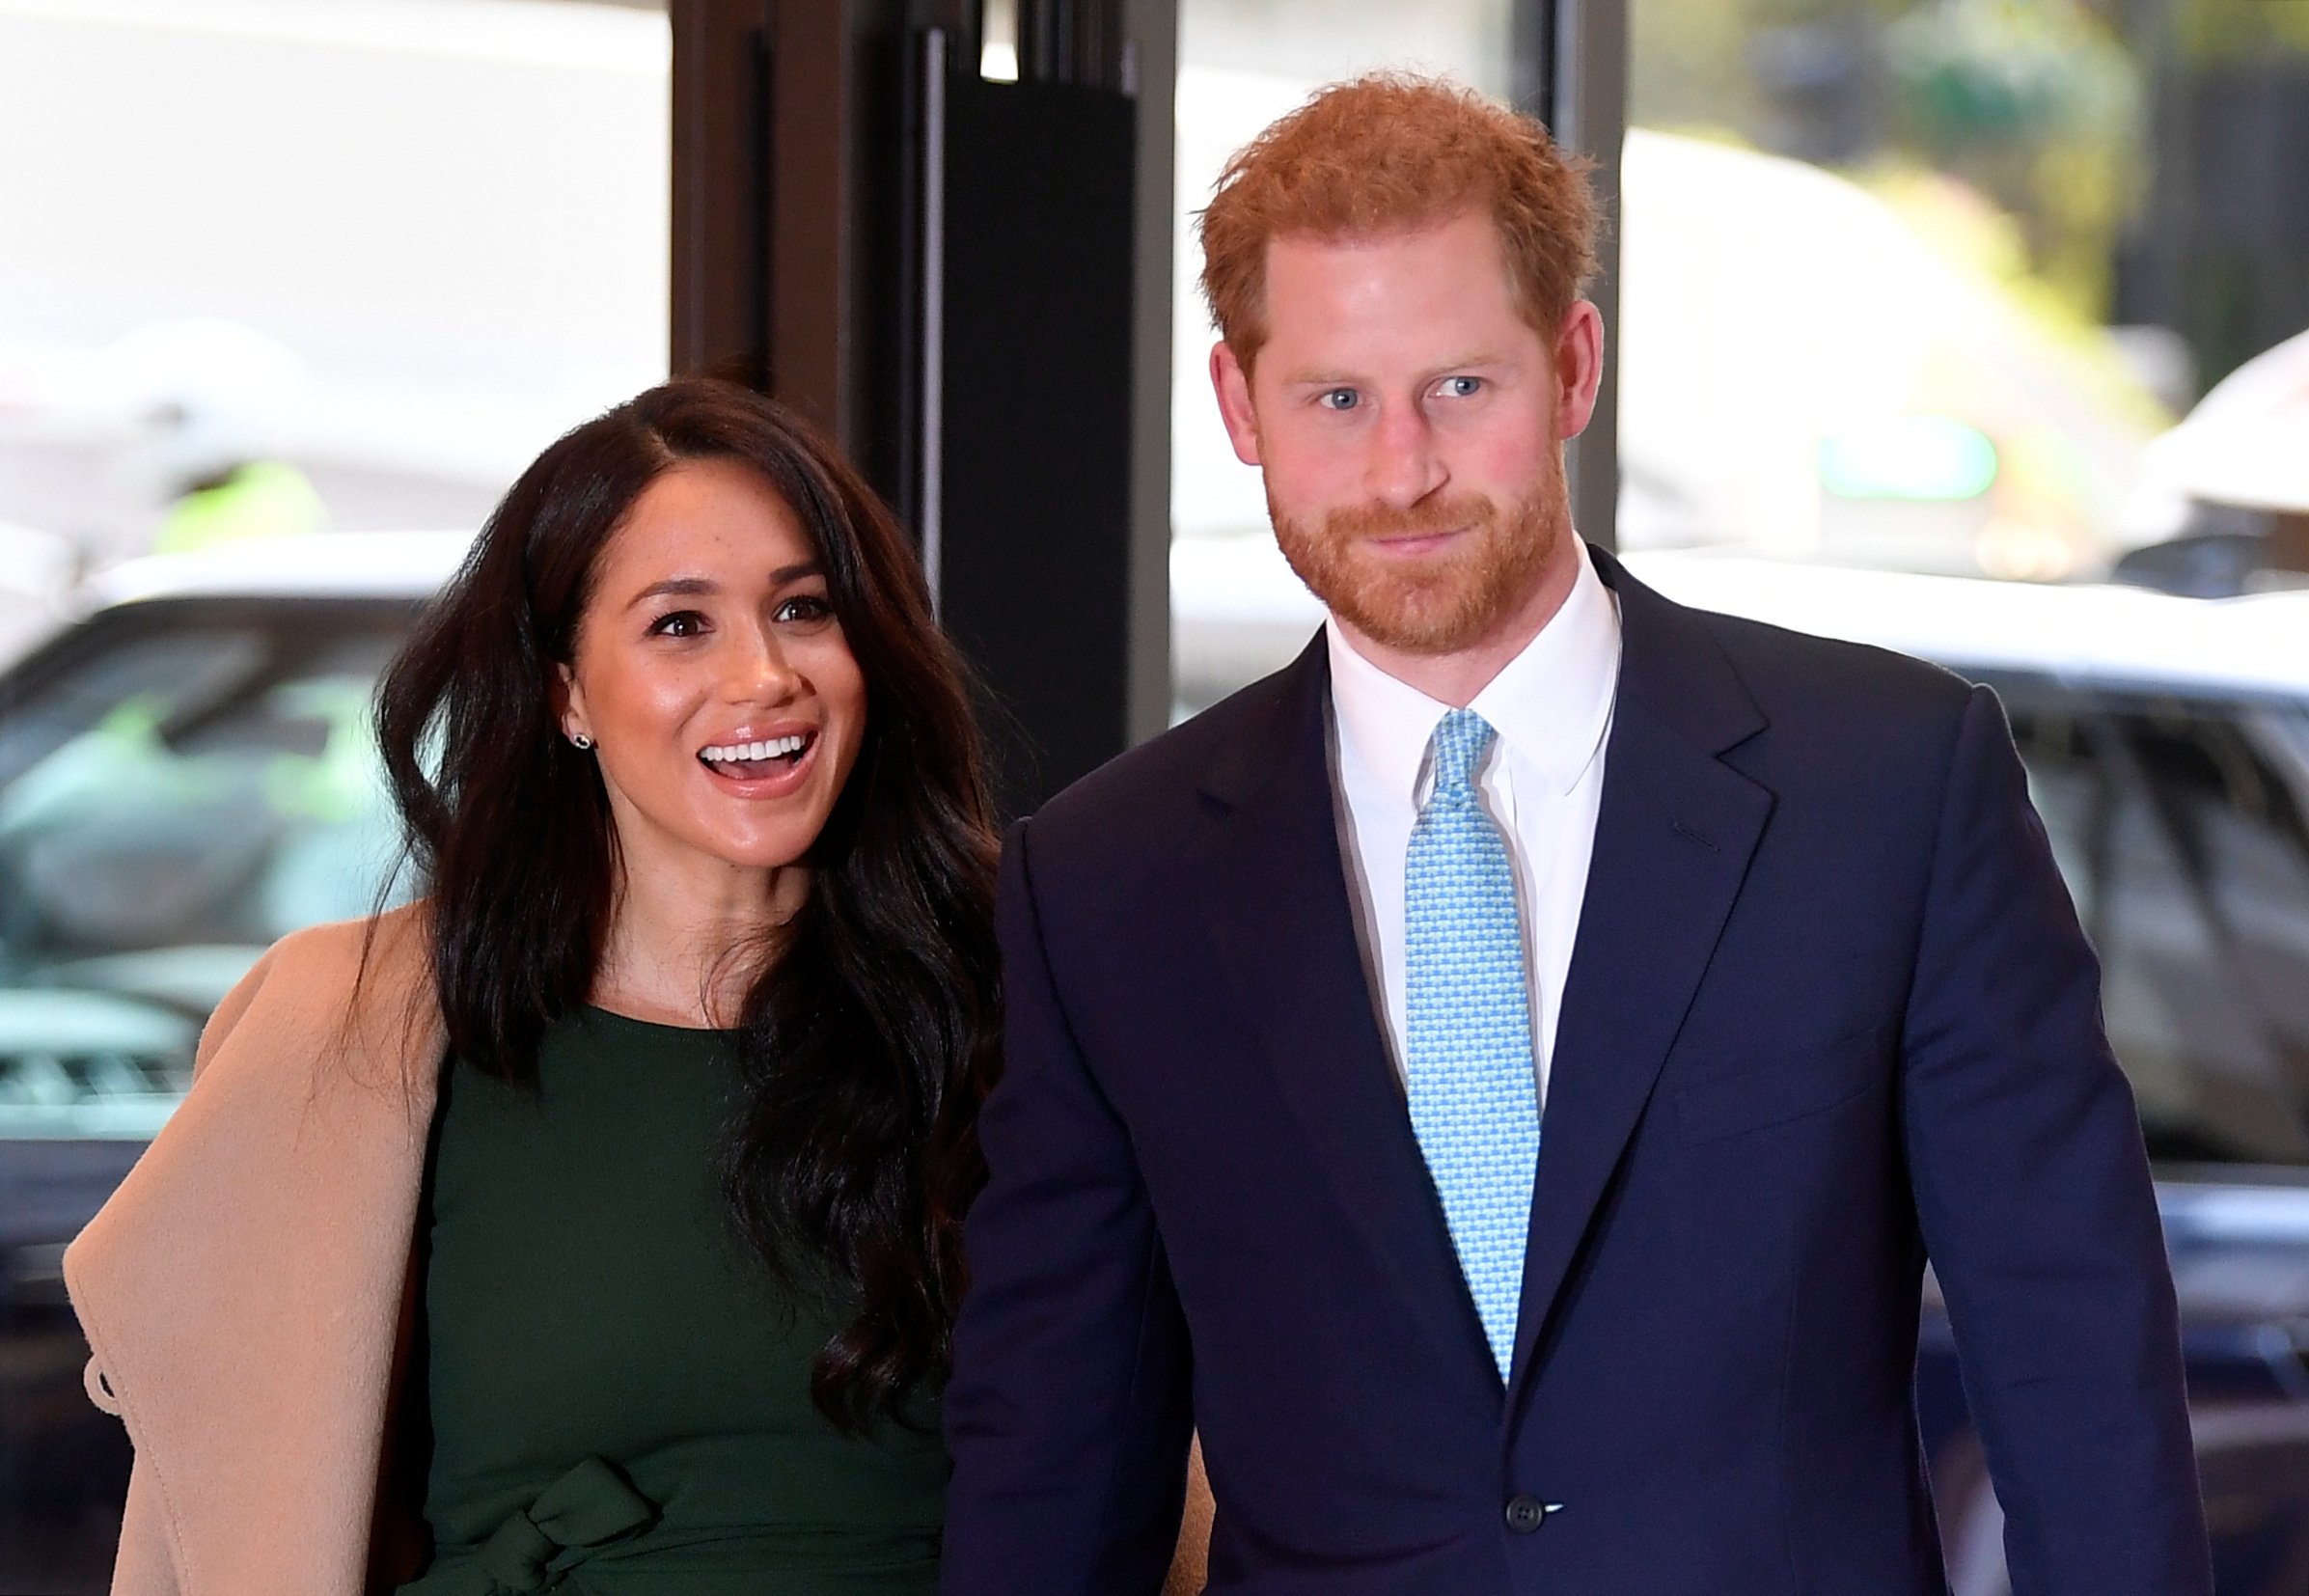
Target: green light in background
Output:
[(1929, 457)]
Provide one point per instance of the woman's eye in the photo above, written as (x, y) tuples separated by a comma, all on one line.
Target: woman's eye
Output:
[(805, 607), (680, 623), (1339, 398), (1460, 387)]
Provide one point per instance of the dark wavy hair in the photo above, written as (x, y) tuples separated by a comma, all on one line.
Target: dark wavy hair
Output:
[(868, 1041)]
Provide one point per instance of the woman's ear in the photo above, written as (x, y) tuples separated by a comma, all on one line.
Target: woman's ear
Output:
[(568, 703)]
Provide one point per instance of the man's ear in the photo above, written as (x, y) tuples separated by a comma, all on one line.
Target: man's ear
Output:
[(1232, 384), (1578, 367)]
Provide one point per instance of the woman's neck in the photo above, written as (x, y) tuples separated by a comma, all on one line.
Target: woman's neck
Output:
[(685, 948)]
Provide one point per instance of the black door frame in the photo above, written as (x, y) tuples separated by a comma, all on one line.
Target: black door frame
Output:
[(797, 232)]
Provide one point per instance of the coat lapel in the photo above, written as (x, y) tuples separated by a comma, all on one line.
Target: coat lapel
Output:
[(1673, 838), (1273, 893), (242, 1288)]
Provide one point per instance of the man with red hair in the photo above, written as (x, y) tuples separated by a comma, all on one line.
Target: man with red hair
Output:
[(1500, 1078)]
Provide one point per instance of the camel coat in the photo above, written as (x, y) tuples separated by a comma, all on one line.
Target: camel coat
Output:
[(244, 1290)]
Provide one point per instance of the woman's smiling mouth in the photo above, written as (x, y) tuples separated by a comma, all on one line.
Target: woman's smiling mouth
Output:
[(764, 759)]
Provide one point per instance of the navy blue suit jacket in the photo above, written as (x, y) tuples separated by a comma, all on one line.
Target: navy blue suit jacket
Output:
[(1829, 1014)]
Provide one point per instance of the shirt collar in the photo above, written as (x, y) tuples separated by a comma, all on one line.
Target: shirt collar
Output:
[(1551, 704)]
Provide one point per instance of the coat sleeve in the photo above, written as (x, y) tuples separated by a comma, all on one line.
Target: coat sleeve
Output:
[(143, 1566), (1068, 1413), (221, 1021), (2033, 1192), (228, 1012)]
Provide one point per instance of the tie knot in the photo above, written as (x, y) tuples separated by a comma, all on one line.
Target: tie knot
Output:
[(1460, 739)]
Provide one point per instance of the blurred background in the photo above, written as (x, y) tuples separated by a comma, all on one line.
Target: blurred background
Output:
[(1918, 283), (1922, 284), (1978, 328)]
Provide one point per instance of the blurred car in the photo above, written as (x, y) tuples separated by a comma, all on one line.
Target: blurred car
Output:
[(186, 773), (36, 570), (2167, 746), (2166, 741)]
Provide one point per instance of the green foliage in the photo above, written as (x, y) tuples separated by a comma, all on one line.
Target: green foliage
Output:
[(1988, 75), (2233, 29), (2035, 105), (1688, 64)]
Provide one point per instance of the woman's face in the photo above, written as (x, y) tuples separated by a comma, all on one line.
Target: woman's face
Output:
[(724, 705)]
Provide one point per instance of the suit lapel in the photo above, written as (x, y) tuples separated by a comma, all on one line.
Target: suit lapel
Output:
[(1673, 838), (1273, 893)]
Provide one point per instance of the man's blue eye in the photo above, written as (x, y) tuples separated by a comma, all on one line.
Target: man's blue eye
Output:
[(1340, 398), (1462, 387)]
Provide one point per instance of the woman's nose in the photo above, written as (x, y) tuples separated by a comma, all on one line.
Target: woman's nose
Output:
[(761, 673)]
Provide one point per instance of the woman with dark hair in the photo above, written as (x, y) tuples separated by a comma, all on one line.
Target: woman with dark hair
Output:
[(592, 1223)]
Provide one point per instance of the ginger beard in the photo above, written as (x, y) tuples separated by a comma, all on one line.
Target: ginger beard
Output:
[(1436, 603)]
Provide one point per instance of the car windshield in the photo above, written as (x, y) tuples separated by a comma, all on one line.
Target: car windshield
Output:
[(180, 784), (2178, 823)]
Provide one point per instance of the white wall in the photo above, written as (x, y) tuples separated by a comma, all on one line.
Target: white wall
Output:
[(455, 211)]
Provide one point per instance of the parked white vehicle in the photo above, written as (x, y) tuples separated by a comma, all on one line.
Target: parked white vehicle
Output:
[(186, 773)]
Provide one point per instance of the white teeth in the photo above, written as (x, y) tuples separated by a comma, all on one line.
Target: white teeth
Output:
[(772, 748)]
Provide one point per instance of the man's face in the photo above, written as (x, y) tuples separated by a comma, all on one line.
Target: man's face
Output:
[(1409, 423)]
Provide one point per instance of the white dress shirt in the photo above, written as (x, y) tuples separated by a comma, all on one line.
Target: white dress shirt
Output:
[(1541, 782)]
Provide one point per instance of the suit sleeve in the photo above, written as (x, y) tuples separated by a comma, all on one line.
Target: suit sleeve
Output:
[(2033, 1191), (1068, 1413)]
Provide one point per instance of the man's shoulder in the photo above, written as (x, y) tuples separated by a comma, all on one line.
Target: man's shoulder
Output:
[(1848, 687), (327, 987), (1151, 791)]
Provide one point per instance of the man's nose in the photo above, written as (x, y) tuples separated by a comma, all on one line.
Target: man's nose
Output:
[(1404, 466)]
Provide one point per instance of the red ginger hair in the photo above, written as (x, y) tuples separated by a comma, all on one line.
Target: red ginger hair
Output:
[(1394, 152)]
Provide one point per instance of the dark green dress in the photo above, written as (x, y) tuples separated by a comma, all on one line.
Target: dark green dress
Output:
[(618, 1394)]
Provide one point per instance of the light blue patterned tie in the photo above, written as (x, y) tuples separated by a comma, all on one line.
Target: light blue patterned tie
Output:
[(1474, 1104)]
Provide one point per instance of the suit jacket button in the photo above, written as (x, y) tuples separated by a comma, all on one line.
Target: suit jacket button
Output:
[(1524, 1514)]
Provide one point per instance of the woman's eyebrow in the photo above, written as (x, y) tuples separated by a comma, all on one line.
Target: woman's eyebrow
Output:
[(674, 585), (690, 587)]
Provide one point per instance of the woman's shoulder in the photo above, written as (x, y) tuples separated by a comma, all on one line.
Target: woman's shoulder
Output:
[(347, 979), (392, 943)]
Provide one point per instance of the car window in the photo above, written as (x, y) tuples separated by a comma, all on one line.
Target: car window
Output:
[(178, 788), (2178, 823)]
